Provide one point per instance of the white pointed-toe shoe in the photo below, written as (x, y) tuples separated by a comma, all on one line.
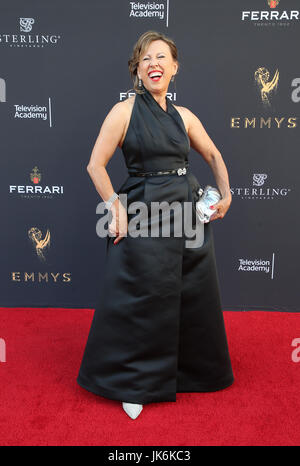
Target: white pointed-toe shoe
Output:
[(132, 409)]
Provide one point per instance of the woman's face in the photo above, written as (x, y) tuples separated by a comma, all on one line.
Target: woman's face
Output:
[(157, 66)]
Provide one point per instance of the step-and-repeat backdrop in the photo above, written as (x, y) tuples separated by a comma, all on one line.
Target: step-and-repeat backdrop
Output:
[(64, 65)]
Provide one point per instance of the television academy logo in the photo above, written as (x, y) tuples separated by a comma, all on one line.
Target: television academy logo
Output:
[(150, 10), (258, 191), (271, 17), (35, 191), (31, 112), (28, 40), (28, 112), (257, 265)]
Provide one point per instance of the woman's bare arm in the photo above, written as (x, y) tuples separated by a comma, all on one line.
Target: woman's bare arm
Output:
[(202, 143), (109, 137)]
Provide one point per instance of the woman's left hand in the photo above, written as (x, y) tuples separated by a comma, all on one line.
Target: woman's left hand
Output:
[(221, 208)]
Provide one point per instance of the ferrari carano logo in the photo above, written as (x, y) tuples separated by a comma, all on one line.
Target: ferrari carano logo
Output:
[(262, 78), (35, 175), (273, 3)]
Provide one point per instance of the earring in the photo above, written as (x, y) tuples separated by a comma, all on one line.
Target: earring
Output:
[(174, 83), (140, 83)]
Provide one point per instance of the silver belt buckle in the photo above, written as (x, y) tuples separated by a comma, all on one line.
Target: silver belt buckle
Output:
[(181, 171)]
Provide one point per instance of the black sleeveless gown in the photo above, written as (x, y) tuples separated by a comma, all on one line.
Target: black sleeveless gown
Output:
[(158, 327)]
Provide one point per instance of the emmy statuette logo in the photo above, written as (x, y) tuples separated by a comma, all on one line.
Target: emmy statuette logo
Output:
[(40, 244), (262, 78)]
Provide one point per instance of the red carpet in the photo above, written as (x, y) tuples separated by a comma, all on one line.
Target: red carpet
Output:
[(42, 404)]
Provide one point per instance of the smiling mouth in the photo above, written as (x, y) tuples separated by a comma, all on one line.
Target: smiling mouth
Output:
[(155, 75)]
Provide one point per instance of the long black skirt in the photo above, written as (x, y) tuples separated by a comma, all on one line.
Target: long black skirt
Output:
[(158, 326)]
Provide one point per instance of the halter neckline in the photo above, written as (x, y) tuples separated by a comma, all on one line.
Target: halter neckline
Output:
[(148, 93)]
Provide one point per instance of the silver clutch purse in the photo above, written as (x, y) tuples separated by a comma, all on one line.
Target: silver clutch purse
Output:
[(207, 197)]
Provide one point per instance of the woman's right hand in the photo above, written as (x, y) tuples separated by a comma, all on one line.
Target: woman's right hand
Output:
[(119, 224)]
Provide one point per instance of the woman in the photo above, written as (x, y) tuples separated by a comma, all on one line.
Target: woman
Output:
[(158, 328)]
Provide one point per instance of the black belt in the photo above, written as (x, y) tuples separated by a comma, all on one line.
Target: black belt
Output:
[(175, 171)]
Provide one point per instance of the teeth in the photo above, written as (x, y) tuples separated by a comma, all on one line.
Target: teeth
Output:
[(155, 75)]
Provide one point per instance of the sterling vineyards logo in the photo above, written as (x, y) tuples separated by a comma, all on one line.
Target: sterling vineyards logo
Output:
[(259, 191), (150, 10), (26, 38)]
